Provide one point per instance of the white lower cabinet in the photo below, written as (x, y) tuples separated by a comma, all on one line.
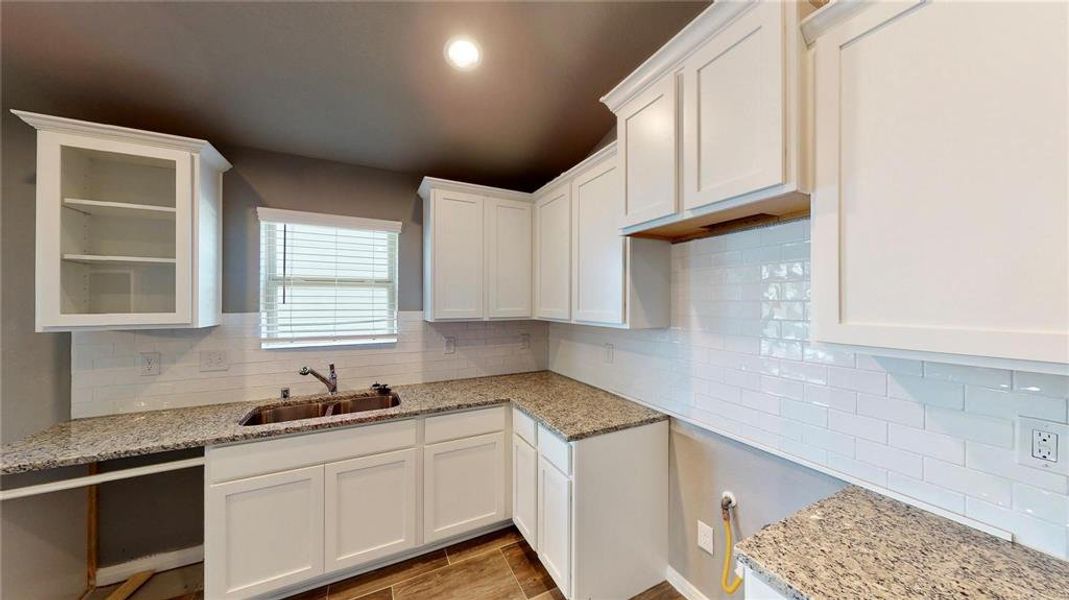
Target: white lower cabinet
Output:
[(555, 524), (754, 588), (370, 508), (263, 533), (525, 489), (463, 485)]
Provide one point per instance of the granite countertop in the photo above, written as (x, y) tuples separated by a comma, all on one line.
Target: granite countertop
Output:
[(858, 544), (571, 409)]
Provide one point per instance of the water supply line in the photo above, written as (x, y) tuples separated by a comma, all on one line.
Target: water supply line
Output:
[(727, 502)]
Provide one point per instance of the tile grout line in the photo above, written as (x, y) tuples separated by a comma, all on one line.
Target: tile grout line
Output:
[(512, 571)]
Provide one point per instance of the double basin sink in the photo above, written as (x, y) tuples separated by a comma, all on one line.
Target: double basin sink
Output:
[(340, 404)]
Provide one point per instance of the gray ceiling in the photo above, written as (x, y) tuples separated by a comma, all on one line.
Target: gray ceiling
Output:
[(362, 83)]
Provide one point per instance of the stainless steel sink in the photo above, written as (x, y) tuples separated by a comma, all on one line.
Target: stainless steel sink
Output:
[(322, 407)]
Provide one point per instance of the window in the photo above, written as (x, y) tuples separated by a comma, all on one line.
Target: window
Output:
[(326, 280)]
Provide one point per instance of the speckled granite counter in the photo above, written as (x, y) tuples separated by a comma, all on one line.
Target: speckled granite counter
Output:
[(858, 544), (571, 409)]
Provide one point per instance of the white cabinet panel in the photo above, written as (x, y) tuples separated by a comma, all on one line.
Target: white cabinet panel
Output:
[(525, 489), (555, 524), (463, 485), (599, 267), (553, 226), (733, 109), (648, 143), (458, 268), (508, 258), (263, 533), (370, 508), (940, 206)]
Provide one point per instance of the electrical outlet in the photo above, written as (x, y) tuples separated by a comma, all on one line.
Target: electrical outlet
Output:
[(450, 345), (150, 363), (525, 341), (214, 360), (1042, 445), (609, 352), (705, 537)]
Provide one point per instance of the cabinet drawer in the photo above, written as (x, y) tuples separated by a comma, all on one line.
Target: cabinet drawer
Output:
[(555, 450), (525, 427), (454, 426), (255, 458)]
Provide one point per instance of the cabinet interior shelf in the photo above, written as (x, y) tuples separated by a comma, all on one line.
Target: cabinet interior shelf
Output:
[(120, 209), (117, 260)]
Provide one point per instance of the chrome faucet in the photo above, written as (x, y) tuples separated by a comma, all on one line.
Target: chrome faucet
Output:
[(331, 382)]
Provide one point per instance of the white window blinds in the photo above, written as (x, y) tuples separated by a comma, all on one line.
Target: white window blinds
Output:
[(326, 280)]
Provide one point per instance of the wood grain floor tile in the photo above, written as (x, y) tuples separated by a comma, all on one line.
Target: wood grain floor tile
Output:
[(482, 544), (553, 594), (385, 594), (484, 577), (361, 585), (661, 591), (319, 593), (529, 572)]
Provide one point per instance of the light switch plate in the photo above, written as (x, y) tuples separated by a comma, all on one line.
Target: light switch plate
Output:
[(1043, 445), (610, 351), (450, 345), (525, 341)]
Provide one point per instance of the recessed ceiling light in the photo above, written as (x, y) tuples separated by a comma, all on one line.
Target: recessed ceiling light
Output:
[(463, 53)]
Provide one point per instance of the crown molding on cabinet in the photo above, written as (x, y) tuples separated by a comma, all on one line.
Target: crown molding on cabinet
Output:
[(830, 15), (149, 138), (676, 50), (430, 183), (606, 152)]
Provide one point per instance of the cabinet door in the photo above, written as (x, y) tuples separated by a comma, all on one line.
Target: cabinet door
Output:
[(263, 533), (525, 489), (114, 234), (555, 524), (939, 213), (648, 146), (508, 258), (457, 219), (370, 508), (553, 231), (733, 109), (598, 271), (463, 485)]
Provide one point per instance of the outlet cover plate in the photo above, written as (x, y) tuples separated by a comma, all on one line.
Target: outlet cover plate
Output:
[(1043, 445), (149, 363), (214, 360), (705, 537)]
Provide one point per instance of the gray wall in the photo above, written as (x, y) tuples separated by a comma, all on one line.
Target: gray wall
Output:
[(261, 178), (703, 465), (42, 552)]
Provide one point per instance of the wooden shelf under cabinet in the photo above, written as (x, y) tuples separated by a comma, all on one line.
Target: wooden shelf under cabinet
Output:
[(118, 260), (120, 209)]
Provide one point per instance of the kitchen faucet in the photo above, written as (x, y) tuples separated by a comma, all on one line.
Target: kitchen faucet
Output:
[(331, 382)]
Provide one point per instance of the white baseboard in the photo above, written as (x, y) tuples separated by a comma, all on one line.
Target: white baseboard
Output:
[(163, 561), (682, 585)]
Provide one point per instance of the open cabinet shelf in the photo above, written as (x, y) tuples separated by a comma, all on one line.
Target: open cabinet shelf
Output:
[(118, 260), (120, 209)]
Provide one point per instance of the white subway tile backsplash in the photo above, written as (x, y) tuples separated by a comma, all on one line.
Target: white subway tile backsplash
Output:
[(978, 428), (990, 488), (940, 433), (926, 391), (893, 410), (892, 459), (943, 447)]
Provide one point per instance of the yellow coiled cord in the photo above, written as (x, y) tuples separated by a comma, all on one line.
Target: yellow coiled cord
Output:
[(725, 579)]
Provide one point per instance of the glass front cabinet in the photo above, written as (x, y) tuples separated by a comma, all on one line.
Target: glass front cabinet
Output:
[(128, 227)]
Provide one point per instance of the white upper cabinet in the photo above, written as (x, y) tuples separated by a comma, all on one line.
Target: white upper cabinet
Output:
[(508, 269), (128, 227), (733, 109), (586, 272), (940, 205), (553, 225), (647, 132), (710, 126), (476, 252)]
